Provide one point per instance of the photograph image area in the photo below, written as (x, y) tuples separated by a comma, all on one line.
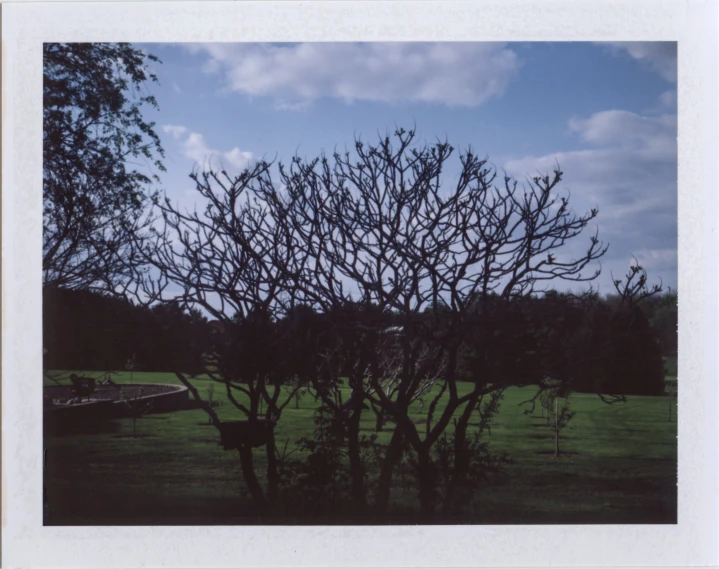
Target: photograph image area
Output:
[(359, 283)]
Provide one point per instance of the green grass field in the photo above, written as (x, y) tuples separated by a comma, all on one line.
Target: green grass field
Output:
[(619, 466)]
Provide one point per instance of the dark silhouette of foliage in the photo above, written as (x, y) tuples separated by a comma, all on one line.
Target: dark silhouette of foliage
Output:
[(662, 313), (100, 156), (88, 330)]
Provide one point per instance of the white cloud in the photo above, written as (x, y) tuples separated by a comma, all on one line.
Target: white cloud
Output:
[(629, 173), (454, 74), (659, 56), (650, 137), (193, 146)]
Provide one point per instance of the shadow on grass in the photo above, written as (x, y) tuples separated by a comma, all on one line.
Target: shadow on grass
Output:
[(225, 516), (138, 436), (73, 428), (562, 454)]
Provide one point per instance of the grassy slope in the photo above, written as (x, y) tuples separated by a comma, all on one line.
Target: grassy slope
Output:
[(620, 466)]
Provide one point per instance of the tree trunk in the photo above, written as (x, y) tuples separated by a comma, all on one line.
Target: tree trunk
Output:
[(357, 490), (461, 457), (556, 427), (253, 485), (425, 475), (379, 422), (392, 456), (273, 477)]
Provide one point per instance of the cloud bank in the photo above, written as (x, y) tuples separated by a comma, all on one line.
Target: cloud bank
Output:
[(294, 75), (629, 172)]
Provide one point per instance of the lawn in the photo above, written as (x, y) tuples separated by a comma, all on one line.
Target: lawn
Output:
[(619, 466)]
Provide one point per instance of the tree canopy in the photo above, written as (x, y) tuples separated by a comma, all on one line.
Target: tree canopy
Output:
[(100, 158), (403, 268)]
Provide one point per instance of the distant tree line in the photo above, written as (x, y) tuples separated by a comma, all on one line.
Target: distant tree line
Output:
[(596, 346), (86, 330)]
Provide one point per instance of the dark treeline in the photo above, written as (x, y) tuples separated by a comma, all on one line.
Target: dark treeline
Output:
[(595, 346), (91, 331)]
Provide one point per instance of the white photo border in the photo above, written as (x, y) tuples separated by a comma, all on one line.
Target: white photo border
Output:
[(26, 543)]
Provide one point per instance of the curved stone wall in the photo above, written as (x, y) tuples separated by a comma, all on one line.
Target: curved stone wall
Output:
[(174, 398)]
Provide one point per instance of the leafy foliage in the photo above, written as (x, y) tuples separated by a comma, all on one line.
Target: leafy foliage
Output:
[(100, 157), (318, 485)]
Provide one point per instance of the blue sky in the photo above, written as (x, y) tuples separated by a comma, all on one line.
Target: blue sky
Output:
[(605, 112)]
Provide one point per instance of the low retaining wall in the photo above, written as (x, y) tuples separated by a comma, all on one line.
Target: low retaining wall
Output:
[(176, 398)]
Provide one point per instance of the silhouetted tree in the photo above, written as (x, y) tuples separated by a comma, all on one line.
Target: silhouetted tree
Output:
[(662, 313), (396, 269), (95, 191), (383, 227), (228, 261)]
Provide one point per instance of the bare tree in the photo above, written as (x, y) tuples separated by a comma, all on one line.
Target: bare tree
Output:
[(558, 416), (136, 406), (227, 260), (367, 239), (383, 223)]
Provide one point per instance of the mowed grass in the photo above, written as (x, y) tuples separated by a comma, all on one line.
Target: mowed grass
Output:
[(619, 465)]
